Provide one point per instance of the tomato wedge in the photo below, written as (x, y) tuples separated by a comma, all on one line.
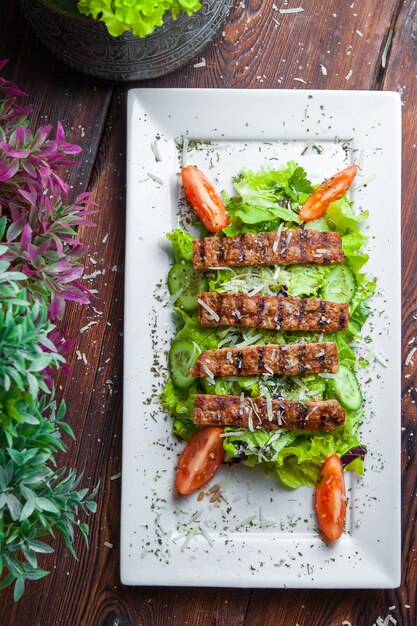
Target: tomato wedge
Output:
[(200, 460), (330, 190), (330, 498), (204, 199)]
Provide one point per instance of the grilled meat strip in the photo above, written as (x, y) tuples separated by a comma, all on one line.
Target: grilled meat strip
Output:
[(282, 359), (216, 410), (273, 312), (274, 248)]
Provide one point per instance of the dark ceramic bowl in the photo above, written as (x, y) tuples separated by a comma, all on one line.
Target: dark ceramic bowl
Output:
[(86, 46)]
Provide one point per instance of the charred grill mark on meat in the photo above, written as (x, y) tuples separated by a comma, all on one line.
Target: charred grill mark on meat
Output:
[(276, 312), (280, 359), (235, 411), (288, 247)]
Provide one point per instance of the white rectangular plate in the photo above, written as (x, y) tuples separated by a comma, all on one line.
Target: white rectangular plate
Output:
[(261, 534)]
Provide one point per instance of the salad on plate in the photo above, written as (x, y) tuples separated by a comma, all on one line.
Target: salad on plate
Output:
[(269, 301)]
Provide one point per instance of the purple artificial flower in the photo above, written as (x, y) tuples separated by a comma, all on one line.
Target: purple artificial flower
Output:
[(64, 347), (41, 230)]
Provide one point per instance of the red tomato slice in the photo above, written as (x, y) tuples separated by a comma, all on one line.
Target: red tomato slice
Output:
[(204, 199), (200, 459), (330, 498), (316, 205)]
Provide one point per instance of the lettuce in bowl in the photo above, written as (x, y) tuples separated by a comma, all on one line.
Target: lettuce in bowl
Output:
[(139, 16)]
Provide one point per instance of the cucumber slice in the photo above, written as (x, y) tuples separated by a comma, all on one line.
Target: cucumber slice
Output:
[(345, 388), (340, 284), (182, 276), (182, 356)]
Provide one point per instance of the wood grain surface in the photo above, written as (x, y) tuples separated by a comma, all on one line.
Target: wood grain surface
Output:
[(332, 44)]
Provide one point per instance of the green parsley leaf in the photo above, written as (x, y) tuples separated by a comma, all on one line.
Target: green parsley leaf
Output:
[(299, 181)]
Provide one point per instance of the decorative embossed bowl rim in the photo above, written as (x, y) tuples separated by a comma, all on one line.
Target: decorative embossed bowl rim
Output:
[(85, 44)]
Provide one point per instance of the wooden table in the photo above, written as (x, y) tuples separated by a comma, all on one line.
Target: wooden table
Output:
[(362, 45)]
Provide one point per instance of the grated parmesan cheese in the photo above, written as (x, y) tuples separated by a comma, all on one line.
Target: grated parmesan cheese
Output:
[(410, 355), (289, 236), (208, 372), (300, 383), (380, 358), (290, 364), (235, 433), (191, 533), (254, 409), (87, 326), (155, 150), (175, 297), (246, 521), (209, 309), (155, 178), (241, 403), (277, 434), (361, 159), (205, 532), (365, 181), (269, 408), (255, 290), (294, 10), (277, 238), (224, 341), (323, 69), (184, 151), (386, 48), (250, 423), (277, 272), (248, 342)]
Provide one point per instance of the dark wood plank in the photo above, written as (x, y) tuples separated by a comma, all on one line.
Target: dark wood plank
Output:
[(253, 52), (401, 76), (57, 92)]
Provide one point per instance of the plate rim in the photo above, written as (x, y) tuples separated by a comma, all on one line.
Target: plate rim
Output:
[(395, 572)]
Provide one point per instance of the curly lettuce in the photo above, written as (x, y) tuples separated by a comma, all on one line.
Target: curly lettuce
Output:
[(139, 16), (264, 200)]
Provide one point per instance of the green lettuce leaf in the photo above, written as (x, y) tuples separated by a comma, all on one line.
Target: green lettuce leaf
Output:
[(295, 458), (139, 16), (264, 197), (182, 244), (340, 216), (263, 201), (179, 402), (299, 181), (303, 280)]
